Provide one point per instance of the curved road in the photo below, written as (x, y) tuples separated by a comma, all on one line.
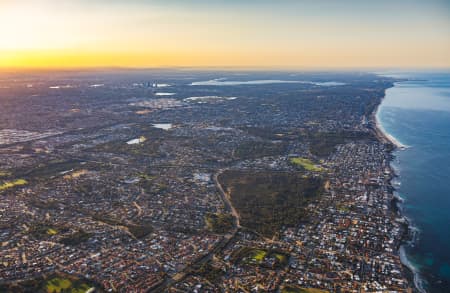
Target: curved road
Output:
[(220, 245)]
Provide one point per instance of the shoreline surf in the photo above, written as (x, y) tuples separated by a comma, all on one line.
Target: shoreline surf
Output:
[(409, 239), (389, 137)]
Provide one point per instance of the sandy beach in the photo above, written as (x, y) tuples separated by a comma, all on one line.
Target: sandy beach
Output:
[(388, 137), (382, 134)]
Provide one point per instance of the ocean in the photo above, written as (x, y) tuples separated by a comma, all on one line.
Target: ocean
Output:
[(417, 114)]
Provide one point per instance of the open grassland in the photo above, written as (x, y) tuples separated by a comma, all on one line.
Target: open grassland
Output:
[(261, 257), (4, 173), (59, 284), (306, 164), (56, 283), (258, 255), (52, 231), (11, 184), (302, 290)]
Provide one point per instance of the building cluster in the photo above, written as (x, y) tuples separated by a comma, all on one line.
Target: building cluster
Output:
[(349, 244), (133, 217)]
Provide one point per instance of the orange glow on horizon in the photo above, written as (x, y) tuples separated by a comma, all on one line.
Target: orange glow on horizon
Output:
[(80, 59), (285, 34)]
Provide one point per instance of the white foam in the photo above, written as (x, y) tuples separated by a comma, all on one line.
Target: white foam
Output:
[(418, 281), (390, 137)]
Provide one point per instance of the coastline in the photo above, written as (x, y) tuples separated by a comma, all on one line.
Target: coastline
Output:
[(381, 133), (411, 273)]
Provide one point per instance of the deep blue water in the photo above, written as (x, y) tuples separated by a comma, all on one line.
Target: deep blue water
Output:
[(417, 114)]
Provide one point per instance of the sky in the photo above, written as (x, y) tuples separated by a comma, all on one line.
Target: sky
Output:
[(225, 33)]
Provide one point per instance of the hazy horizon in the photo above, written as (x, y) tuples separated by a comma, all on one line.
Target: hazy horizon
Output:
[(285, 34), (375, 70)]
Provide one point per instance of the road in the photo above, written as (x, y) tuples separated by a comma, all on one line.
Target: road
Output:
[(226, 198), (218, 247)]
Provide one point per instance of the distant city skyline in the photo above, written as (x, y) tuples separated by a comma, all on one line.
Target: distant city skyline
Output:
[(277, 34)]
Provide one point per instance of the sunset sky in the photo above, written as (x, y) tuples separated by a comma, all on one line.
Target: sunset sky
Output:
[(247, 33)]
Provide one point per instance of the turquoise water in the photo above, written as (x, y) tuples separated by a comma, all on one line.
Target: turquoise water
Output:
[(417, 114)]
